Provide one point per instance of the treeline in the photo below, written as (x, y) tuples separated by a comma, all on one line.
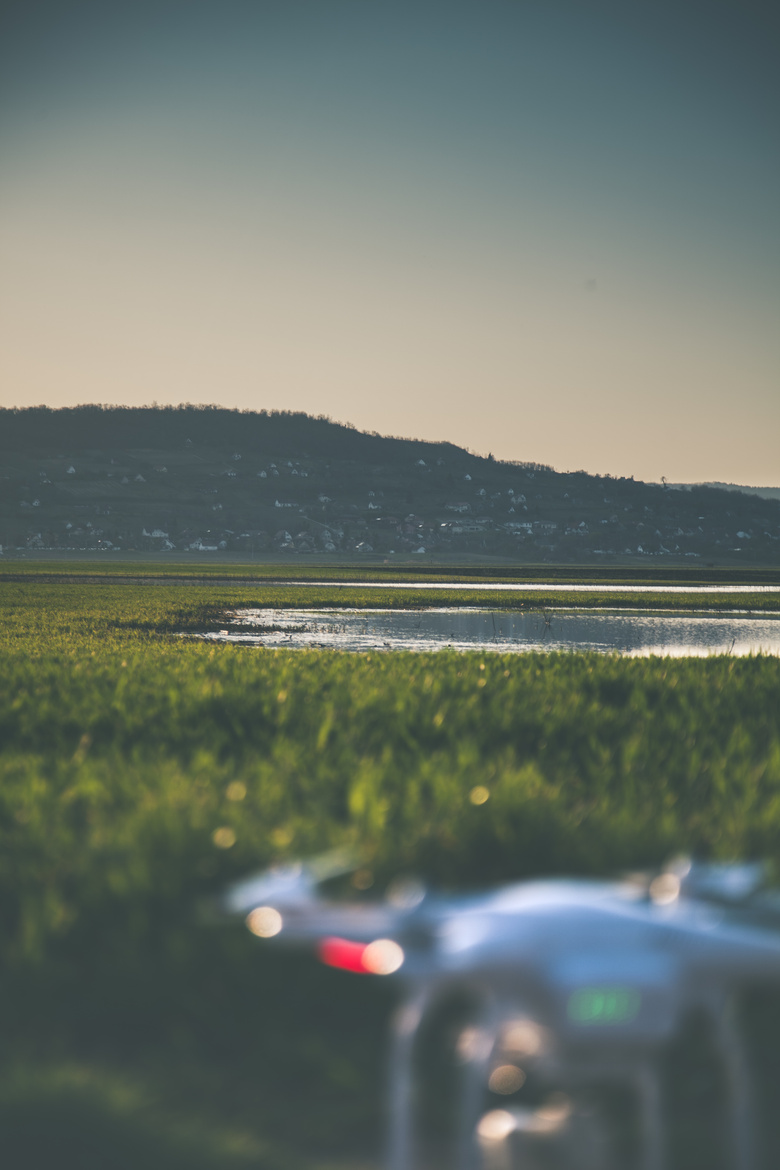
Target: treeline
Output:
[(92, 427)]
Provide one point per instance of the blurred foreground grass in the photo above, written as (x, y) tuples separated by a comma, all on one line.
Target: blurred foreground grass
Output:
[(133, 1034)]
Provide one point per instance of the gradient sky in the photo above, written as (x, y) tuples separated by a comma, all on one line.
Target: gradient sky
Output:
[(543, 229)]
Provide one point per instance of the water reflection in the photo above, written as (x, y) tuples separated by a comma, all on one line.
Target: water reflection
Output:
[(633, 633), (536, 586)]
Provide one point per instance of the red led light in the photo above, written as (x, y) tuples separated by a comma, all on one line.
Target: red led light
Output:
[(341, 953), (383, 956)]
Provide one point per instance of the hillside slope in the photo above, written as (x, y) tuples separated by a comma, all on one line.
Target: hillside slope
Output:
[(208, 479)]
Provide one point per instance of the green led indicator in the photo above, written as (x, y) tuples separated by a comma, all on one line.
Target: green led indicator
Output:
[(603, 1005)]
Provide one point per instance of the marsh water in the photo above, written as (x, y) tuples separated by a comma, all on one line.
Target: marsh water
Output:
[(536, 587), (634, 633)]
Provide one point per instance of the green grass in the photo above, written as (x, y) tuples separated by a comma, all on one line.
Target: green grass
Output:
[(96, 609), (136, 1035), (164, 568)]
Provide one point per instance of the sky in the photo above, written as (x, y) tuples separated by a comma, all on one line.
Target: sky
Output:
[(541, 229)]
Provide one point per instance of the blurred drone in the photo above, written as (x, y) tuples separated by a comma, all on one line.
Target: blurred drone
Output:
[(562, 1025)]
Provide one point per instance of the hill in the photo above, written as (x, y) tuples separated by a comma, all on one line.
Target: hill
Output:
[(767, 493), (206, 479)]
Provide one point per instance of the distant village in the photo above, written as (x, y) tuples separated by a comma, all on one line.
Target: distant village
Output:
[(200, 497)]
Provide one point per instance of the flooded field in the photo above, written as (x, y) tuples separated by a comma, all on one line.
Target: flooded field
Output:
[(634, 633), (539, 586)]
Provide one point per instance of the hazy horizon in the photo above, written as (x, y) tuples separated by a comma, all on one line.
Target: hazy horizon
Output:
[(546, 231)]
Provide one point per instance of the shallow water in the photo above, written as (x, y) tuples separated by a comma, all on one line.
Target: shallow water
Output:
[(505, 631), (541, 586)]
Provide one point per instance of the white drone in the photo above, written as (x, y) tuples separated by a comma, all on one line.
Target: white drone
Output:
[(575, 1025)]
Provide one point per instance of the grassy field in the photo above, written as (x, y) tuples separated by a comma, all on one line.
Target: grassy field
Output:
[(96, 608), (136, 1035), (171, 567)]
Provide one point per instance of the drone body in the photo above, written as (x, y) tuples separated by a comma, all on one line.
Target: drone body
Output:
[(561, 1024)]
